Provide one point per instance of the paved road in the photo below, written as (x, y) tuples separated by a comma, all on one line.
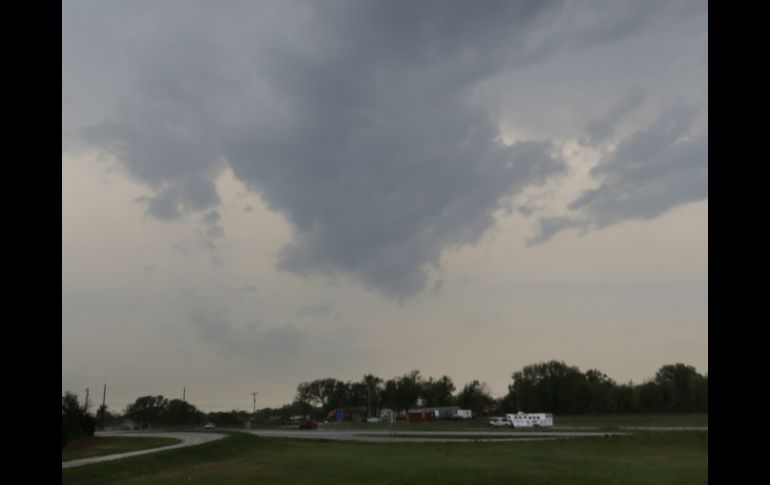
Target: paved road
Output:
[(424, 436), (663, 428), (187, 439)]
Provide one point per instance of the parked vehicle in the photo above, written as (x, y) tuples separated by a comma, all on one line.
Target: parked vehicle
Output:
[(308, 425), (530, 420), (499, 422), (209, 426), (462, 414)]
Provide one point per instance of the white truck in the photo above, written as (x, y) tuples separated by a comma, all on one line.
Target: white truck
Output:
[(499, 422), (530, 420)]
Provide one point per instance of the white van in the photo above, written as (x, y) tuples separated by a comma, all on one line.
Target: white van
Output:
[(530, 420)]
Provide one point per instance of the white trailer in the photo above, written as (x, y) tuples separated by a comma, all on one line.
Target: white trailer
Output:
[(530, 420), (462, 414)]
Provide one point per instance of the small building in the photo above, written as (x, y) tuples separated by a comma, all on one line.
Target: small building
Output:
[(438, 412), (420, 415), (388, 415), (339, 415)]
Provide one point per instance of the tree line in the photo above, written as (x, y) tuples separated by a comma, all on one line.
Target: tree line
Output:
[(552, 387)]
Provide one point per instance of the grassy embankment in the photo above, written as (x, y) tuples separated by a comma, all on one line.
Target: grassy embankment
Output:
[(644, 458), (107, 445)]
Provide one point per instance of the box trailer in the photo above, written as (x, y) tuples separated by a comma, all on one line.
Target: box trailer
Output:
[(462, 414), (530, 420)]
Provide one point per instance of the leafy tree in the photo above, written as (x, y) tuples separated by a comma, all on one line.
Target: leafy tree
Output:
[(372, 385), (179, 412), (551, 387), (678, 384), (402, 392), (76, 422), (104, 416), (649, 397), (229, 418), (438, 392), (623, 396), (147, 410), (601, 389), (476, 397)]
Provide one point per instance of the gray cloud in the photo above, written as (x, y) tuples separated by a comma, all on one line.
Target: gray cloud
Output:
[(285, 346), (213, 229), (359, 122), (601, 130), (547, 227), (370, 125), (651, 171)]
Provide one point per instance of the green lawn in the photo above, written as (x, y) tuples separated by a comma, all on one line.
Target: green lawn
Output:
[(107, 445), (605, 421), (645, 458)]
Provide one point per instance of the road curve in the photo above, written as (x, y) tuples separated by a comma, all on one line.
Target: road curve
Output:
[(187, 439)]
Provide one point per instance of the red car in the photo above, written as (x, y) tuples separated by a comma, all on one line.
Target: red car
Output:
[(308, 425)]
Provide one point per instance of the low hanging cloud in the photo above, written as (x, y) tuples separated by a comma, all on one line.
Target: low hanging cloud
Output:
[(368, 125)]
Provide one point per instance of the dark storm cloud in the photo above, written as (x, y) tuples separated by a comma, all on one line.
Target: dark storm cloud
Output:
[(650, 171), (359, 121), (369, 125), (654, 169), (602, 129)]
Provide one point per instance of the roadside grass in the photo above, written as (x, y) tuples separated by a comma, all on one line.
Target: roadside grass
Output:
[(107, 445), (602, 422), (240, 458)]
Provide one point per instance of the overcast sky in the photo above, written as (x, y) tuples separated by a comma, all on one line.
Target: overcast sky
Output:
[(259, 193)]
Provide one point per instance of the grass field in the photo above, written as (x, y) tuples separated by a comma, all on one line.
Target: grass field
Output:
[(601, 422), (103, 445), (644, 458)]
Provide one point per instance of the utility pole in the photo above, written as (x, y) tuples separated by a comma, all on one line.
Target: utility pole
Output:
[(184, 391), (85, 405), (104, 397), (254, 395)]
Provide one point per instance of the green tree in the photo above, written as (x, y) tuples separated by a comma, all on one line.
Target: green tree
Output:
[(147, 410), (76, 422), (402, 392), (103, 416), (602, 392), (679, 384), (372, 385), (649, 397), (623, 396), (475, 396), (178, 412), (438, 392), (551, 387)]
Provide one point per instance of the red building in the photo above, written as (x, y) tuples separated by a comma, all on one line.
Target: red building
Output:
[(419, 415)]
